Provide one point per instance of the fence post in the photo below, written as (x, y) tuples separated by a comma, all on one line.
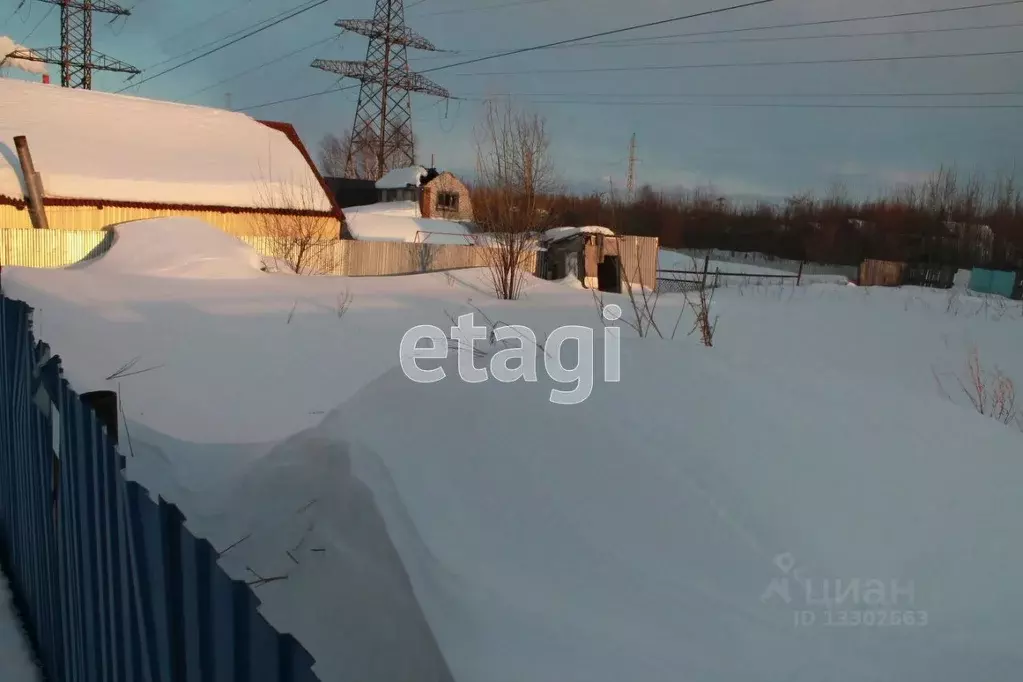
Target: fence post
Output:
[(104, 404), (799, 275), (706, 266), (33, 184)]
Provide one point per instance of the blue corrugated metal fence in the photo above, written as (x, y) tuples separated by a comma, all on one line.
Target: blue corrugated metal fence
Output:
[(112, 585)]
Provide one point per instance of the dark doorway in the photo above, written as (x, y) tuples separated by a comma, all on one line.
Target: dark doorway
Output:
[(609, 275)]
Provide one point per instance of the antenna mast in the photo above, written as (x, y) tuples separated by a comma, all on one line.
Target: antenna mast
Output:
[(630, 183)]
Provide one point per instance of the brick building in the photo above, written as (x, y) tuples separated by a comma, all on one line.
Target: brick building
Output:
[(439, 194)]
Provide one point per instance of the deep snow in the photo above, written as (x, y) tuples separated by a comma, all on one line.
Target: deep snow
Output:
[(400, 221), (17, 664), (630, 537)]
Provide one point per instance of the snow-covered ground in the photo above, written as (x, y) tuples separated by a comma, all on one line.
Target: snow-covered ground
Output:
[(400, 221), (17, 663), (645, 533), (733, 273)]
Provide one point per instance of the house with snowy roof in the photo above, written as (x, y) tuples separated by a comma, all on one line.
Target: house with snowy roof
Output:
[(105, 159), (439, 194)]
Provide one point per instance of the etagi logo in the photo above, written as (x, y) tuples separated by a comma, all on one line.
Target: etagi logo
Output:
[(515, 362)]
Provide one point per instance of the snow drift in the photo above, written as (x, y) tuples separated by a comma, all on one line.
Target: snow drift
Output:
[(586, 543), (175, 247)]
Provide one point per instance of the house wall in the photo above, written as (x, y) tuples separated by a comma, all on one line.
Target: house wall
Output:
[(446, 182), (93, 218)]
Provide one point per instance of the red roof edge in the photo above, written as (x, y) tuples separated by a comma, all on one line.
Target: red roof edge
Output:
[(292, 134)]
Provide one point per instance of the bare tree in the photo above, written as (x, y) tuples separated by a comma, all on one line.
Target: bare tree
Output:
[(339, 159), (515, 179), (333, 154), (295, 229)]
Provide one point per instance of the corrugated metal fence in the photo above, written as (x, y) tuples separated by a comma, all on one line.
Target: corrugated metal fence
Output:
[(1008, 283), (51, 248), (111, 584), (58, 248)]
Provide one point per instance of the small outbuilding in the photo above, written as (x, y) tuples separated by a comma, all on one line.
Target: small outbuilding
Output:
[(599, 258), (440, 194)]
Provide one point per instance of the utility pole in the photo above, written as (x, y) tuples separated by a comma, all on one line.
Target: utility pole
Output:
[(630, 182), (75, 56), (382, 131)]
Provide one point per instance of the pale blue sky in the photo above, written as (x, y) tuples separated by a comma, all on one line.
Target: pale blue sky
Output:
[(744, 150)]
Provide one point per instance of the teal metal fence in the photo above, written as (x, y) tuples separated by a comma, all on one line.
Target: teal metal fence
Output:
[(1002, 282), (111, 584)]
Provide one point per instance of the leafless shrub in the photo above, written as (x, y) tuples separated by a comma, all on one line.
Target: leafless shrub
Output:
[(295, 228), (702, 308), (514, 172), (990, 391)]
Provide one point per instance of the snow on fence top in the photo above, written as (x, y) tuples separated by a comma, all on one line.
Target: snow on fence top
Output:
[(400, 178), (98, 146)]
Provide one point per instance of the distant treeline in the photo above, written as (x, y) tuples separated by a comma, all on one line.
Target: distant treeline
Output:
[(946, 220)]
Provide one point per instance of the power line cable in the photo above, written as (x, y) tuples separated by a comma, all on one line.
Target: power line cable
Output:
[(602, 34), (534, 48), (776, 39), (24, 41), (821, 22), (484, 8), (204, 22), (280, 21), (800, 24), (785, 105), (263, 65), (806, 95), (791, 62), (268, 22)]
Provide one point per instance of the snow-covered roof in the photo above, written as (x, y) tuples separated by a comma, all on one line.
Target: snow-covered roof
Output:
[(398, 221), (400, 178), (90, 145), (558, 233)]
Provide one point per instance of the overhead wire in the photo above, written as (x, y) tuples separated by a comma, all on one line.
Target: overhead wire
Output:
[(544, 46), (788, 62), (819, 22), (249, 34), (265, 64), (772, 39), (39, 23), (269, 21)]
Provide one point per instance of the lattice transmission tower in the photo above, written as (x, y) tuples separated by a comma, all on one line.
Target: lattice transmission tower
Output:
[(75, 56), (382, 136)]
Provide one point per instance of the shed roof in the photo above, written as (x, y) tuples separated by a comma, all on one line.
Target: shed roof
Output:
[(94, 146), (400, 178)]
